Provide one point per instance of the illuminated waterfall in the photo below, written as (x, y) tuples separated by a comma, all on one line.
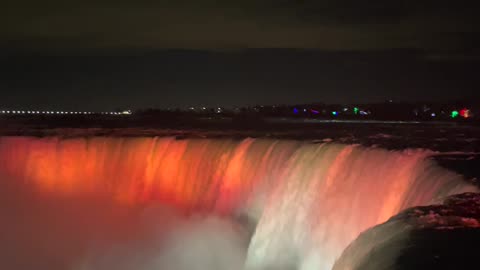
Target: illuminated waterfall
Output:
[(308, 201)]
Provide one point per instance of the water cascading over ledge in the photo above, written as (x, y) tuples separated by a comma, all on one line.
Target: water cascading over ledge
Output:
[(308, 201)]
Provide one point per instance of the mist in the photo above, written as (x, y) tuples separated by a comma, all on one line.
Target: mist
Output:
[(91, 232)]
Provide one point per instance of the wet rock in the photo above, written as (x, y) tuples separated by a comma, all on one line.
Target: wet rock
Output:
[(445, 236)]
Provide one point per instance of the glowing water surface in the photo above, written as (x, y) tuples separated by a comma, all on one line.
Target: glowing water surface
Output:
[(305, 202)]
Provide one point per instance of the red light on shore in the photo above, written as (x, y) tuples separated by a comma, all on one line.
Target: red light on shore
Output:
[(465, 113)]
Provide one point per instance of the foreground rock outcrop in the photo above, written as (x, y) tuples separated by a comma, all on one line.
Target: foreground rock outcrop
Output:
[(436, 237)]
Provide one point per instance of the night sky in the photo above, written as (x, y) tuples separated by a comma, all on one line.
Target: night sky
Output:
[(99, 54)]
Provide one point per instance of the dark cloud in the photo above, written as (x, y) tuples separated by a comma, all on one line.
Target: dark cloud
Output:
[(213, 24), (170, 78)]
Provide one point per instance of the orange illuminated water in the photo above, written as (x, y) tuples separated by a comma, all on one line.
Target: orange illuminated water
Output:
[(308, 201)]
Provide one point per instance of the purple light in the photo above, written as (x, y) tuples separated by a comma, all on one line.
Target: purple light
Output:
[(314, 111)]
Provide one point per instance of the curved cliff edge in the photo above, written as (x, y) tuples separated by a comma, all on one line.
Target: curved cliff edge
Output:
[(445, 236)]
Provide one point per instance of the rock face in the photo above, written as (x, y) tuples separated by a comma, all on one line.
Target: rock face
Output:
[(436, 237)]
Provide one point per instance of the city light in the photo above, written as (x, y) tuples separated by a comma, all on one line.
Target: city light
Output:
[(335, 112), (364, 113), (126, 112), (465, 113)]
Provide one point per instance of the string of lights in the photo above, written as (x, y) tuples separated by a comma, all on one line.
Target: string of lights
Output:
[(22, 112)]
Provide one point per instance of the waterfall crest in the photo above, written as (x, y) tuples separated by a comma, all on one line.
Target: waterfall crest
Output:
[(308, 201)]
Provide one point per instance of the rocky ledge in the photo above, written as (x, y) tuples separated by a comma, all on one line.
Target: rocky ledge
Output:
[(445, 236)]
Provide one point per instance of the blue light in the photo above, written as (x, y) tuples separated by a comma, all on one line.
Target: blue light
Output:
[(295, 110), (334, 113), (364, 113)]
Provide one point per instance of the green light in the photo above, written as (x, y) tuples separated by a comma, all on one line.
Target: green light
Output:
[(356, 110), (334, 113), (454, 114)]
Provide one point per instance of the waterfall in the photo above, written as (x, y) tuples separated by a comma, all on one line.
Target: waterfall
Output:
[(307, 201)]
